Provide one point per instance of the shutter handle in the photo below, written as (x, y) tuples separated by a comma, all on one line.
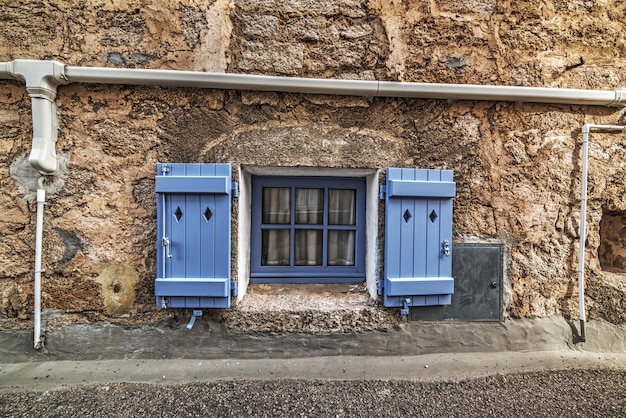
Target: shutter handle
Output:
[(165, 242), (446, 248)]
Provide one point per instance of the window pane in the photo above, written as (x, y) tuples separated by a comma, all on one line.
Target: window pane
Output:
[(308, 247), (341, 248), (310, 206), (275, 247), (276, 205), (341, 207)]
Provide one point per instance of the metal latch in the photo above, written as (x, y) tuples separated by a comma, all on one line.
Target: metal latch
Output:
[(446, 248), (165, 242)]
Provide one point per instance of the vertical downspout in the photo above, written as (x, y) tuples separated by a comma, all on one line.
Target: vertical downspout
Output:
[(41, 200), (583, 232), (42, 79), (583, 218)]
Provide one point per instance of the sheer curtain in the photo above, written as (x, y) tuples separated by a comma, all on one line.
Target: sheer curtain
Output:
[(341, 211), (309, 242), (309, 211), (276, 210)]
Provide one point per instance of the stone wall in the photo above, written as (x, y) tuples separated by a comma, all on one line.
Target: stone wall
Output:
[(517, 166)]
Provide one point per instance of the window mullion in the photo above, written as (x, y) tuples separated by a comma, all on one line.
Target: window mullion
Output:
[(292, 229), (325, 230)]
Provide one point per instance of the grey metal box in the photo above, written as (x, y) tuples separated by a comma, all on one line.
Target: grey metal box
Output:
[(477, 269)]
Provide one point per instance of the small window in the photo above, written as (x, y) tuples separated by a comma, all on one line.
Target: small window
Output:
[(612, 250), (307, 229)]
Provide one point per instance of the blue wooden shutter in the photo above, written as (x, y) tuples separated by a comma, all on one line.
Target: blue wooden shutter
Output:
[(418, 237), (193, 235)]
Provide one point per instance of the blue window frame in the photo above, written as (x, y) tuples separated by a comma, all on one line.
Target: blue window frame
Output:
[(307, 230)]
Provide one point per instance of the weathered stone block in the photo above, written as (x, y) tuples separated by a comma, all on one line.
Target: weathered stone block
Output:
[(275, 57), (263, 26)]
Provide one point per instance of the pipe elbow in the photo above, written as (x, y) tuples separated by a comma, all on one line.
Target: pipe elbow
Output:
[(43, 157)]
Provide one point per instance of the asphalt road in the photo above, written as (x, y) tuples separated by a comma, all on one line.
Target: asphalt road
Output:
[(509, 384)]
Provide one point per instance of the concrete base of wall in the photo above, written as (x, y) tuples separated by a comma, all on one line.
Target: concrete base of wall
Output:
[(212, 340)]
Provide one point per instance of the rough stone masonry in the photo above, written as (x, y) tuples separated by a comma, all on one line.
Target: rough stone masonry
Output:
[(517, 166)]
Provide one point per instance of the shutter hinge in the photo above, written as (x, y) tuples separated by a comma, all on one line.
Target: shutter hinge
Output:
[(380, 284), (165, 169), (234, 290), (405, 308), (234, 187), (383, 192)]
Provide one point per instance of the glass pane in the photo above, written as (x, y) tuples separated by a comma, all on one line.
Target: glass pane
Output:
[(276, 205), (310, 206), (341, 207), (341, 248), (275, 247), (308, 247)]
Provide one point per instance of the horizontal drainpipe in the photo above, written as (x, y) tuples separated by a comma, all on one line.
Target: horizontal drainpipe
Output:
[(344, 87), (43, 77)]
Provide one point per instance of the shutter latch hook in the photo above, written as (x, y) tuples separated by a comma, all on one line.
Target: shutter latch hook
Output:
[(446, 248), (165, 242)]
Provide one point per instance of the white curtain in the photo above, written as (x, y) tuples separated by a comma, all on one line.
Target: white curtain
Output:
[(308, 243), (276, 210), (341, 211)]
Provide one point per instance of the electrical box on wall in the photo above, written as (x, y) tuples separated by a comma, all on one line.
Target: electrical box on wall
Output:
[(477, 269)]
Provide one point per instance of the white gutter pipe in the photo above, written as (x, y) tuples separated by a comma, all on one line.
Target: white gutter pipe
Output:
[(344, 87), (583, 219), (41, 200), (43, 77)]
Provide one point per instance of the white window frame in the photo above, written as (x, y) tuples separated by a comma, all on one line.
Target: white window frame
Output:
[(372, 251)]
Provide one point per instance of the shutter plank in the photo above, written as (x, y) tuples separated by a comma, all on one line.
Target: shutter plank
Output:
[(192, 184), (198, 287), (399, 188), (177, 235)]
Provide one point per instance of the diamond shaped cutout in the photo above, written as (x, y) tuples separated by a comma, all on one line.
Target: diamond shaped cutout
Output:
[(433, 216), (407, 215), (178, 214), (208, 214)]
